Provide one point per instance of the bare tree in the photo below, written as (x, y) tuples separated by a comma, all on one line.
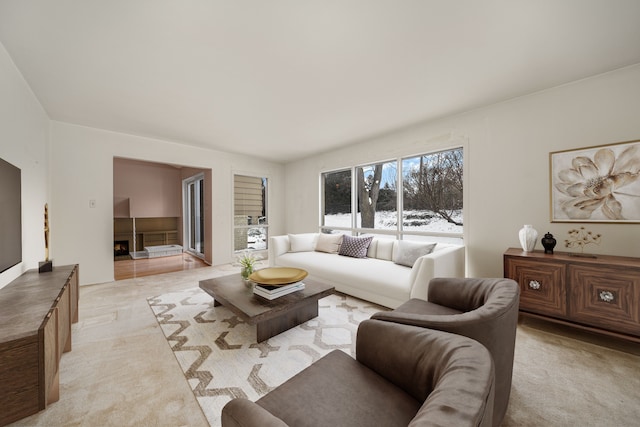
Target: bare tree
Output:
[(437, 184), (368, 192)]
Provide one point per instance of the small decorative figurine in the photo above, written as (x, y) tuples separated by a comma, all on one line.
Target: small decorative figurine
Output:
[(581, 238), (548, 242), (46, 265), (46, 232)]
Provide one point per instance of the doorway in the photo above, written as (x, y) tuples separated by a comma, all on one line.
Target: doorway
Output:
[(149, 211)]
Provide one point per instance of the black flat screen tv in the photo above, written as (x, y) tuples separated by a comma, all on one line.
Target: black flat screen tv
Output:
[(10, 216)]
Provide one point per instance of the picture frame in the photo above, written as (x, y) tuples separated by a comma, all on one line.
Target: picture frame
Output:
[(596, 184)]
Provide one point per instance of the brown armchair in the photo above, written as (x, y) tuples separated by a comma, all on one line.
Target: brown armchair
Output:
[(483, 309), (402, 375)]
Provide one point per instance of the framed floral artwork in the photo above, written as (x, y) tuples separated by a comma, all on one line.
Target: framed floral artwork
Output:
[(596, 184)]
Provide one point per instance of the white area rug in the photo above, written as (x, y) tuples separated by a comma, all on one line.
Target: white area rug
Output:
[(219, 355)]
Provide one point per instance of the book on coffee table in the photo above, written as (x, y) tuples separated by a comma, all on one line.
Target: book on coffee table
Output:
[(271, 292)]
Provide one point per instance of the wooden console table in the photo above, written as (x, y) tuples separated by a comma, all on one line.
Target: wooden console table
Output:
[(600, 294), (36, 312)]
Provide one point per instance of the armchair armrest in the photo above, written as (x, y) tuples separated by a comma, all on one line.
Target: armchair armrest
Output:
[(446, 262), (278, 245), (245, 413), (470, 294)]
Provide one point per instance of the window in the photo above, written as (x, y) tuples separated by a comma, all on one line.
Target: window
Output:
[(430, 203), (250, 229), (337, 199), (377, 199), (432, 192)]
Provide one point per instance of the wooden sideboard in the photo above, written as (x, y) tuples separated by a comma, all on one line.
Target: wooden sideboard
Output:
[(36, 313), (600, 294)]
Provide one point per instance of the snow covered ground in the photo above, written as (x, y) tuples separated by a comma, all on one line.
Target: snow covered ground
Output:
[(385, 220), (412, 220)]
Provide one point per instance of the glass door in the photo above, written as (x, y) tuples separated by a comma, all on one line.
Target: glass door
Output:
[(193, 194)]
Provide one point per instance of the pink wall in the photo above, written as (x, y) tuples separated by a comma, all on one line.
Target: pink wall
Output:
[(153, 189)]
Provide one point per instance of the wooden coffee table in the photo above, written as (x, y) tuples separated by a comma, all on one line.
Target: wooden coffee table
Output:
[(271, 317)]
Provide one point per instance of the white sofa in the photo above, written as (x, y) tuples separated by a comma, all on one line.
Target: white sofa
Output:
[(376, 278)]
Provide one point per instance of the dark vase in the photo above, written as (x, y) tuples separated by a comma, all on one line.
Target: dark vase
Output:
[(548, 242)]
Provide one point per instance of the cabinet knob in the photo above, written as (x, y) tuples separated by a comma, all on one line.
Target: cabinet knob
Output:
[(535, 285), (606, 296)]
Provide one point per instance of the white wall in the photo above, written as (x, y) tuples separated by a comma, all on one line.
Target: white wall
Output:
[(82, 170), (507, 157), (24, 135)]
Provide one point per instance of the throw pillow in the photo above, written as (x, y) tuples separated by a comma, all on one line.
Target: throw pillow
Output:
[(329, 243), (385, 249), (355, 247), (409, 252), (302, 242)]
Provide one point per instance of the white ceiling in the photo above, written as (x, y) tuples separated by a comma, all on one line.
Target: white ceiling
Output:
[(284, 79)]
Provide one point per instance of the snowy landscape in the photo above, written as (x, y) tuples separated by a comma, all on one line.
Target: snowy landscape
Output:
[(417, 220)]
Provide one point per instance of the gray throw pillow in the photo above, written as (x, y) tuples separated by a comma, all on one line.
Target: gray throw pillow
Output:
[(409, 252), (355, 247)]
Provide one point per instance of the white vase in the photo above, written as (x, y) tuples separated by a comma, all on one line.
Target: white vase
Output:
[(528, 237)]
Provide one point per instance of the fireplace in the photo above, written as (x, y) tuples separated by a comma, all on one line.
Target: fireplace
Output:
[(120, 247)]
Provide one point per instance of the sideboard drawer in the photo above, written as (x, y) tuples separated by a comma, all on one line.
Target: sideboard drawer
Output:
[(542, 287), (605, 297)]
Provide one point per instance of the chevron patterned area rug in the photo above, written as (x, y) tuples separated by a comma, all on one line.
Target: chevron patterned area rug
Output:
[(219, 355)]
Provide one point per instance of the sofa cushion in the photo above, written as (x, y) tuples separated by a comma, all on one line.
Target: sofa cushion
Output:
[(302, 242), (421, 307), (355, 247), (329, 243), (385, 249), (408, 252), (373, 249), (317, 395), (360, 277)]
